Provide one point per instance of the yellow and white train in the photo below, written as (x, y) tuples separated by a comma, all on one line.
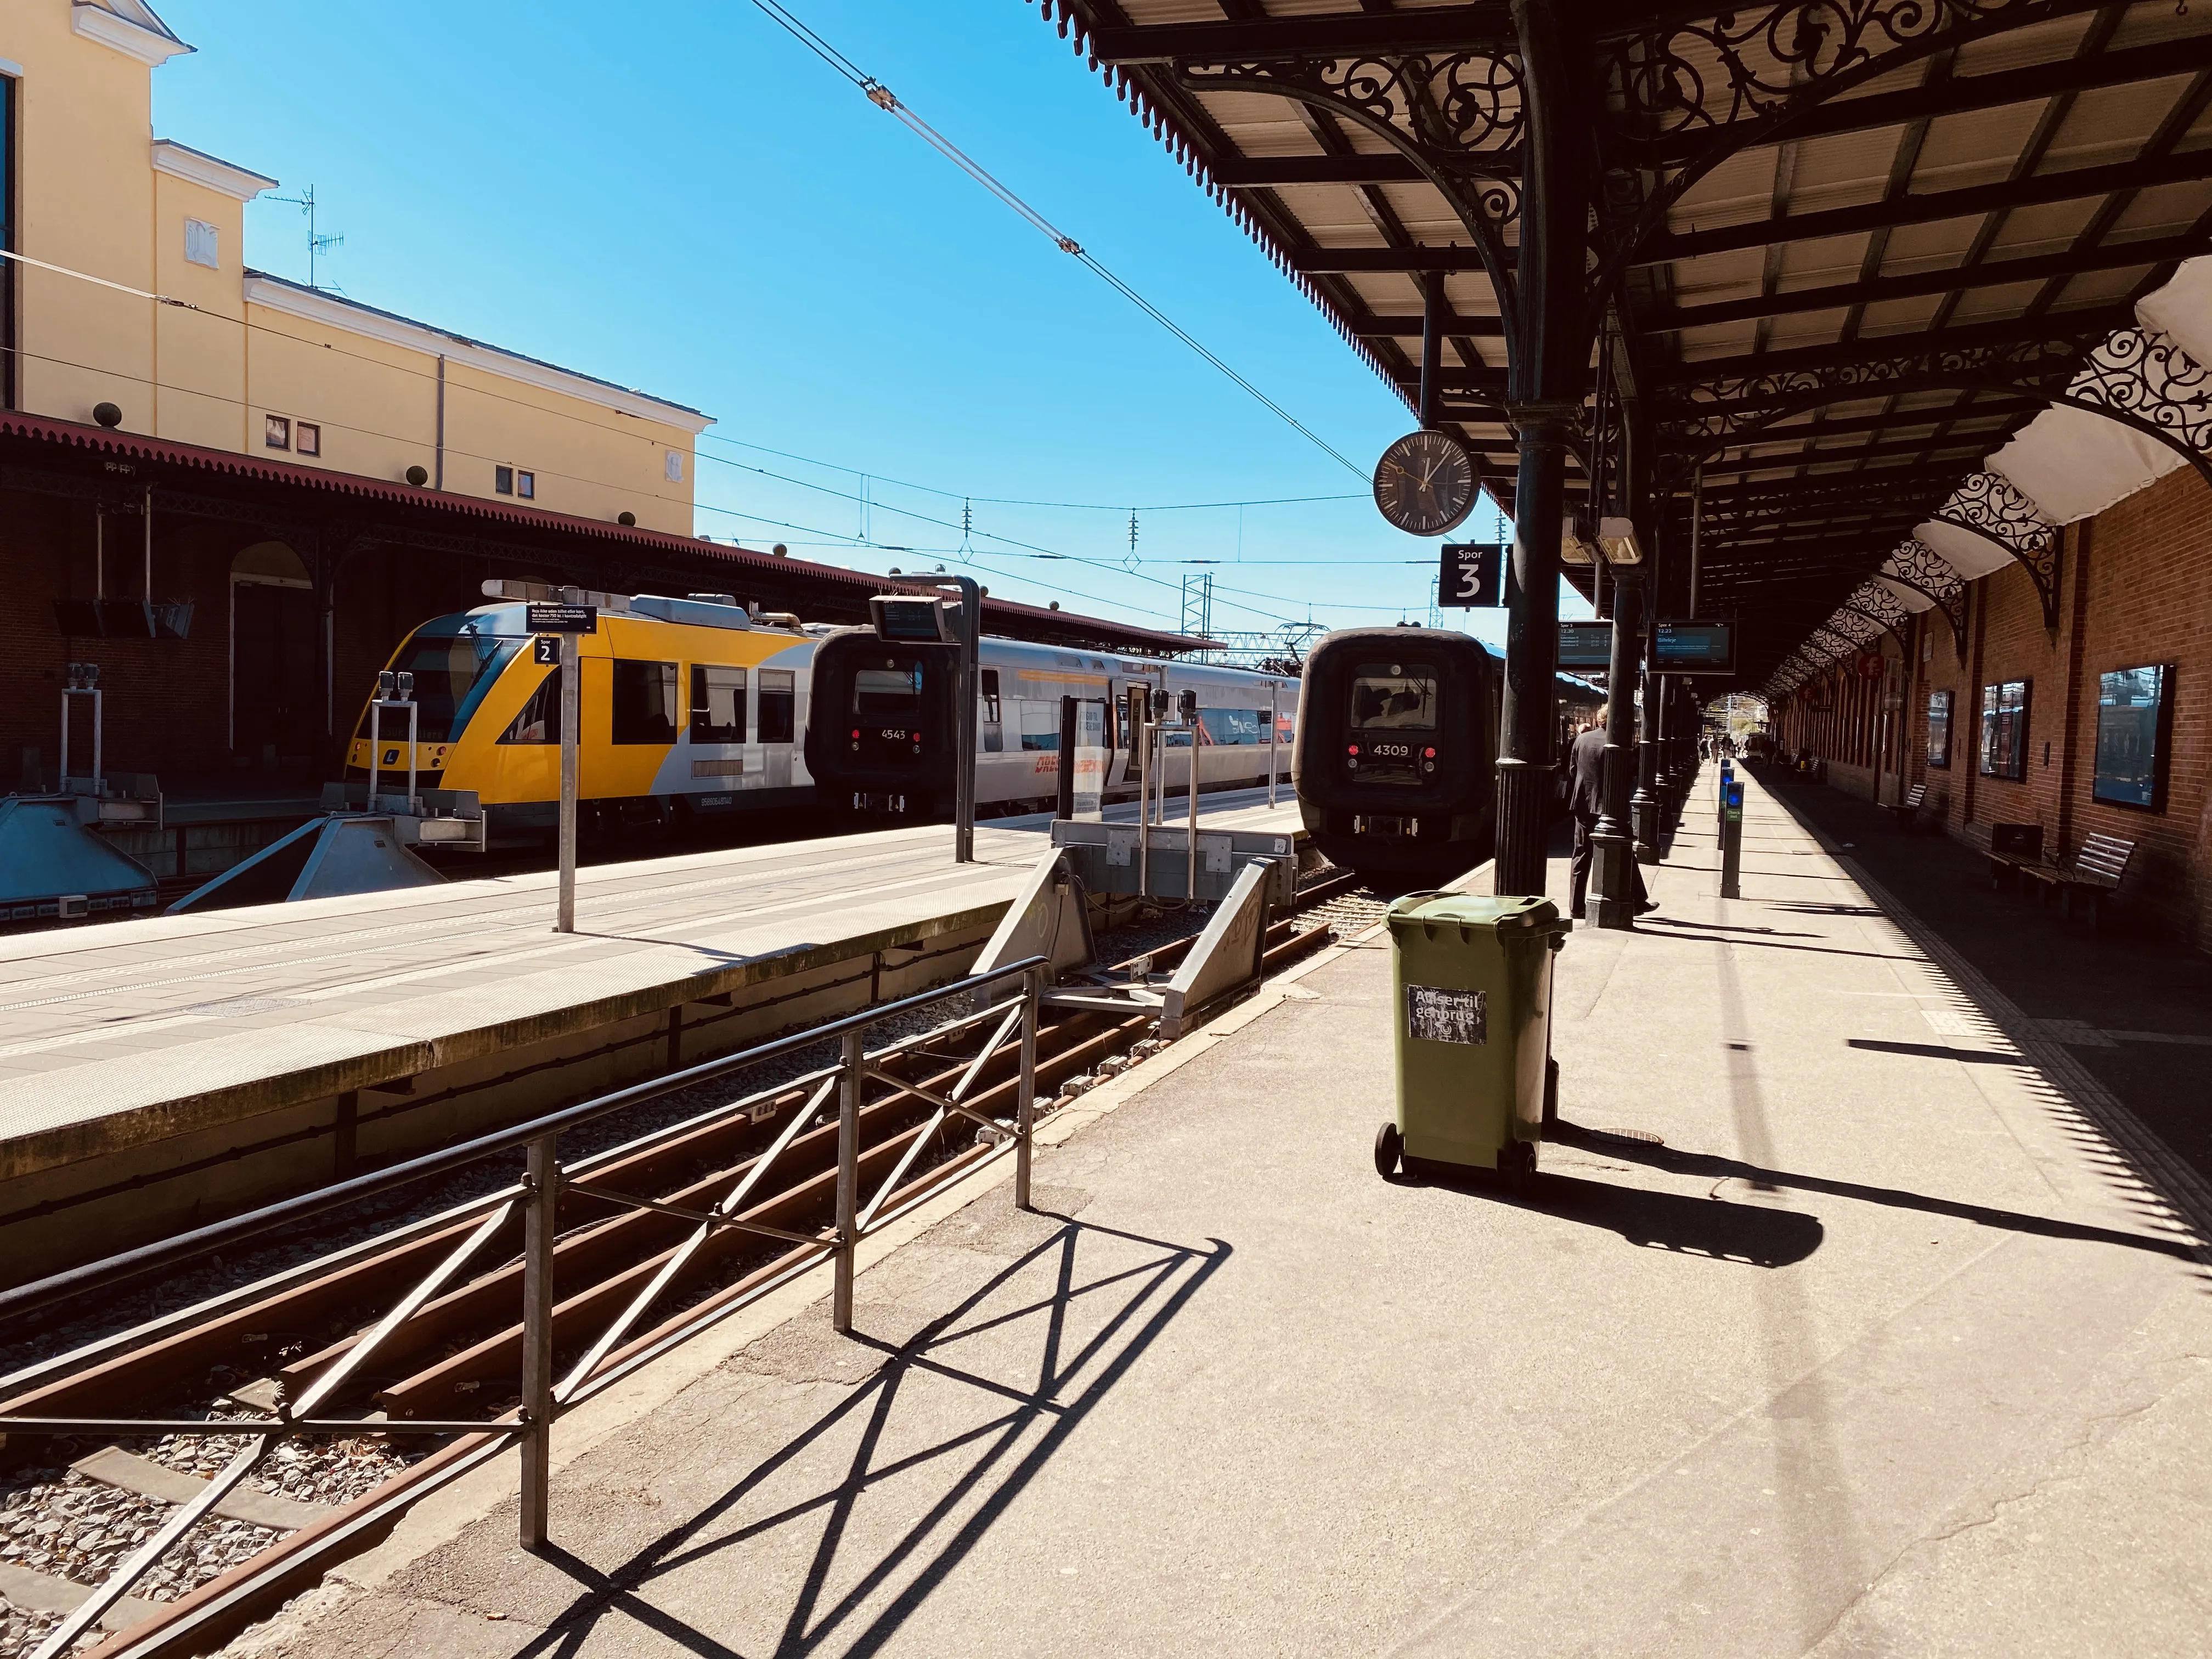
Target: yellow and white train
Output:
[(696, 708)]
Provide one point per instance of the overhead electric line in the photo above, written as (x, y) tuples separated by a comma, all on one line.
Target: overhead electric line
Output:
[(883, 99)]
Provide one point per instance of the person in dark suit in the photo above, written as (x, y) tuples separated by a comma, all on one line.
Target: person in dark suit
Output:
[(1586, 800)]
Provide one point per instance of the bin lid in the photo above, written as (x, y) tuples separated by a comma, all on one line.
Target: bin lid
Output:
[(1506, 914)]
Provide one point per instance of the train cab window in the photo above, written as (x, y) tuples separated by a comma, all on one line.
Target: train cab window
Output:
[(1389, 696), (994, 738), (891, 692), (644, 702), (540, 719), (718, 704), (451, 672), (779, 705), (1232, 725)]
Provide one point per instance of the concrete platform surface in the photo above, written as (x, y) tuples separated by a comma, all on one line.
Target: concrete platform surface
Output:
[(1859, 1336), (101, 1024)]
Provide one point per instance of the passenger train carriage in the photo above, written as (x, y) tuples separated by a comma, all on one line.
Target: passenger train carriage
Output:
[(690, 706), (1396, 762), (696, 707), (892, 753)]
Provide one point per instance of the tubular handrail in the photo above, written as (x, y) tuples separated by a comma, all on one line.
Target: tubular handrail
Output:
[(130, 1264), (617, 1350)]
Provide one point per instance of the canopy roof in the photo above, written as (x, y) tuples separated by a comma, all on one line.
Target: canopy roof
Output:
[(1843, 251)]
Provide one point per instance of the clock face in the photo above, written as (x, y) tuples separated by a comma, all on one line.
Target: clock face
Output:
[(1425, 483)]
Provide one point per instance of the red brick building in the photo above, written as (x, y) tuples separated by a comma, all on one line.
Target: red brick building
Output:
[(2134, 590)]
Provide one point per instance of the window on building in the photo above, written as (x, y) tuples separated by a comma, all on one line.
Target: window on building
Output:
[(526, 485), (1939, 728), (718, 704), (307, 437), (502, 480), (540, 719), (276, 432), (2135, 729), (203, 244), (644, 702), (2004, 729), (779, 706), (672, 467)]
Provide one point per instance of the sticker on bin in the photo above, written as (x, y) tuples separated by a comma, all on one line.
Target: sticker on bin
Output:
[(1439, 1016)]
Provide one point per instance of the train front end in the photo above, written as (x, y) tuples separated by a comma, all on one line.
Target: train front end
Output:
[(1395, 752), (881, 742)]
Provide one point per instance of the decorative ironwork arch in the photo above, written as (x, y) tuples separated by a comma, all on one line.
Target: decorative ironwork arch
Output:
[(1925, 570), (1871, 599), (1992, 505)]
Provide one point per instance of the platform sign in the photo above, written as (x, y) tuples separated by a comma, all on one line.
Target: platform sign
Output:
[(1586, 645), (551, 619), (1694, 648), (1472, 576), (1090, 756), (546, 650)]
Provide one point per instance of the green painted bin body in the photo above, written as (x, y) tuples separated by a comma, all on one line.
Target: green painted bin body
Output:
[(1472, 994)]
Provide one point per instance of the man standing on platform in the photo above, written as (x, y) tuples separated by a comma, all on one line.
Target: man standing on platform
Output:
[(1586, 800)]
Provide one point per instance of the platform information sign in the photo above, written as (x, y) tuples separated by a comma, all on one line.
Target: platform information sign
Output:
[(1089, 758), (1472, 576), (1585, 645), (562, 618), (1694, 648)]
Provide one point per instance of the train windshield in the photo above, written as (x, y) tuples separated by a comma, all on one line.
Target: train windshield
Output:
[(1389, 696), (887, 693), (451, 670)]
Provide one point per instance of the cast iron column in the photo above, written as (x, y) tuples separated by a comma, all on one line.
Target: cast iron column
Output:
[(1612, 848), (1550, 364)]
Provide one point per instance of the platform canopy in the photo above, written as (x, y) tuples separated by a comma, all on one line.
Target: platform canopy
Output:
[(1836, 255)]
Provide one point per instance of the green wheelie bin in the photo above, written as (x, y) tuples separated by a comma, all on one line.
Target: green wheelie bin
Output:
[(1471, 996)]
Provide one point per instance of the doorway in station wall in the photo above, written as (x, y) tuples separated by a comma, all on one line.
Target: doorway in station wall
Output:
[(273, 688)]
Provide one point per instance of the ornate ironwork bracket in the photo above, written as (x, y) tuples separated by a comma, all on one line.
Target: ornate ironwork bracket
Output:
[(2145, 381), (1458, 117), (1925, 570), (1871, 600), (1989, 506)]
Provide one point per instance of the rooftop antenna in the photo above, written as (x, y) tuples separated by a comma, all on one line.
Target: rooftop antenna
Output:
[(317, 245)]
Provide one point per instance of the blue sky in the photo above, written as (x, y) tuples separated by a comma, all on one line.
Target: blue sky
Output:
[(682, 198)]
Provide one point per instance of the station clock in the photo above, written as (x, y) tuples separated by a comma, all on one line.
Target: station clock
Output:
[(1426, 483)]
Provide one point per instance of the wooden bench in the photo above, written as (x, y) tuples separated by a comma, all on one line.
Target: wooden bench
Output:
[(2014, 847), (1907, 812), (2095, 871)]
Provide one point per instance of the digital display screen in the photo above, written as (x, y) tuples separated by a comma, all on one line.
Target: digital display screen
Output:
[(912, 620), (1585, 644), (1694, 648)]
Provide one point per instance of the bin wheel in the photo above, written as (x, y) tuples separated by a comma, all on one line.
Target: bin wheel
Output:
[(1516, 1166), (1389, 1146)]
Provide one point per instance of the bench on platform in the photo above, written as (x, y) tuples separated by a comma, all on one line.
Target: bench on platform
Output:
[(1907, 812), (2093, 871), (2016, 854)]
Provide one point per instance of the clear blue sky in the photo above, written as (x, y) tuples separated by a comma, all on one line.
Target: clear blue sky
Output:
[(682, 198)]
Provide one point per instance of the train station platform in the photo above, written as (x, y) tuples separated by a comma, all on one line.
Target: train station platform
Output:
[(1838, 1321), (159, 1072)]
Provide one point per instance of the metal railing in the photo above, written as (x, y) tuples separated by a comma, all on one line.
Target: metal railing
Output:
[(1008, 1000)]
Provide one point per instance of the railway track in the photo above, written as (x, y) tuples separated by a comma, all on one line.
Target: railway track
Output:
[(71, 1510)]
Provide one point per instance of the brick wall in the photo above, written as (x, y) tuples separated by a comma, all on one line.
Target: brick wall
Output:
[(2134, 589)]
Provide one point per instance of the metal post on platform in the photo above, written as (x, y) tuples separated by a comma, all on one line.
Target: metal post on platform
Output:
[(1612, 842), (1549, 364), (971, 651), (1140, 737), (1732, 839), (1187, 705), (1274, 727), (376, 736), (1025, 1089), (1065, 807), (572, 719), (541, 1189), (848, 1181)]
